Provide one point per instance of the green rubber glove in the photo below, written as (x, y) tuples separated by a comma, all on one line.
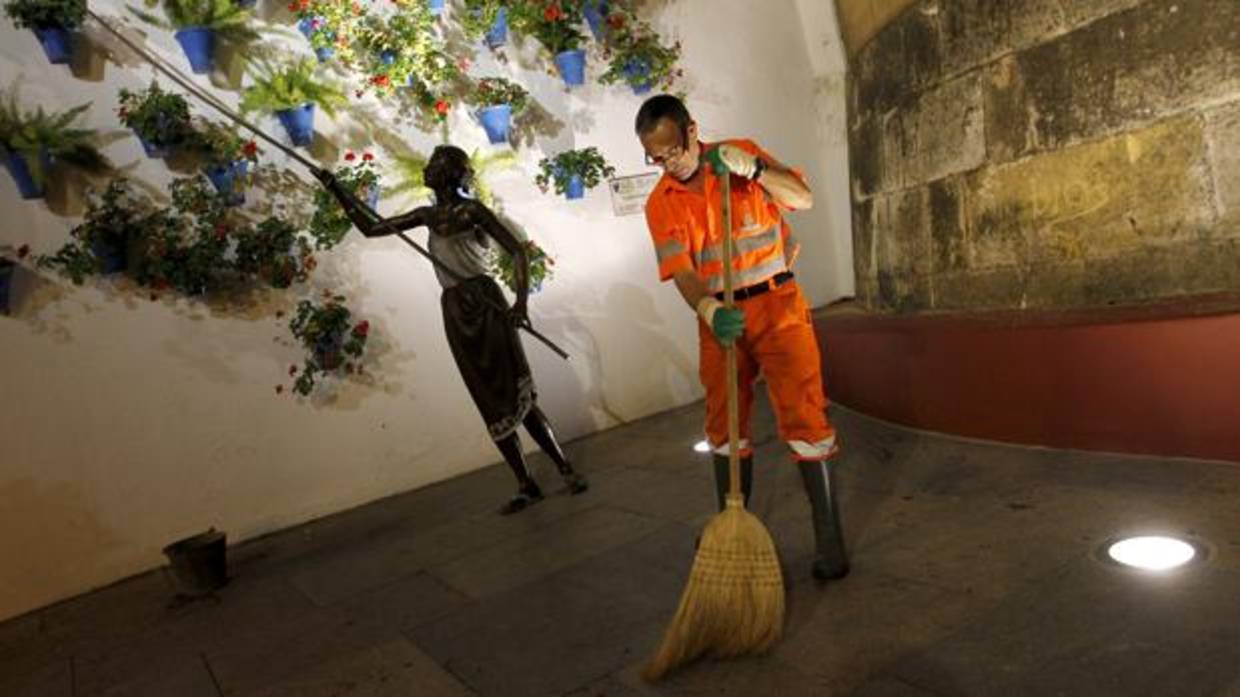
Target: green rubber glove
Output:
[(715, 160), (728, 325)]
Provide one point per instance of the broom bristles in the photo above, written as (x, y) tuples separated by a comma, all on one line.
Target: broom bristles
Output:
[(734, 601)]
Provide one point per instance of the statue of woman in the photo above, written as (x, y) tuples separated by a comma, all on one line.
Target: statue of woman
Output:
[(481, 328)]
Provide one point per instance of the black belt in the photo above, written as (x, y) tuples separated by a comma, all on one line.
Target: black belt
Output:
[(759, 288)]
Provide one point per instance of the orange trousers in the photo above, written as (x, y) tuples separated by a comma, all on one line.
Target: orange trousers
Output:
[(778, 341)]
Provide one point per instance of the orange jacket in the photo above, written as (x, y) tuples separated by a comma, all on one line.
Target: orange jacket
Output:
[(685, 227)]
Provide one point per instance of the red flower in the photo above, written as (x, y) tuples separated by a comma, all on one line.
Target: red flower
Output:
[(381, 80), (367, 157), (362, 328), (250, 149), (553, 13), (22, 251), (616, 21), (349, 156), (442, 107)]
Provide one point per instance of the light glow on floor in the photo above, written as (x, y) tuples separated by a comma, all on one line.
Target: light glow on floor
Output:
[(1152, 552)]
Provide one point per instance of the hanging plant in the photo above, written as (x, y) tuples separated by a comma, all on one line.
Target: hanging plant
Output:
[(199, 24), (329, 25), (330, 223), (554, 23), (275, 252), (486, 20), (226, 158), (31, 141), (101, 242), (638, 58), (403, 50), (334, 344), (573, 171), (292, 92), (160, 119), (52, 22), (502, 267), (498, 100)]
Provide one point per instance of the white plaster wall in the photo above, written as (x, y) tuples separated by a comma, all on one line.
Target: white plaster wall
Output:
[(130, 423)]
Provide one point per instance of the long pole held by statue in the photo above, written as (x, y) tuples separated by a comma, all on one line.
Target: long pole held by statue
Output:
[(176, 76)]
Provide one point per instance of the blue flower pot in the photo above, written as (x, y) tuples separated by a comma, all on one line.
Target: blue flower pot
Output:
[(324, 53), (6, 282), (572, 66), (387, 57), (226, 179), (636, 69), (435, 6), (496, 121), (154, 149), (497, 35), (372, 196), (111, 256), (576, 188), (299, 123), (26, 185), (199, 46), (57, 43), (306, 26), (596, 16)]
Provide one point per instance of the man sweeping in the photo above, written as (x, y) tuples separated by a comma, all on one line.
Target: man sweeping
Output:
[(770, 325)]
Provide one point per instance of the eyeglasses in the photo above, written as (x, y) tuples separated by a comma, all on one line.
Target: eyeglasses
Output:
[(671, 153)]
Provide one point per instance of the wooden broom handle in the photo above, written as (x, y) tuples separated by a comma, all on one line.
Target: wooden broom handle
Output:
[(734, 457)]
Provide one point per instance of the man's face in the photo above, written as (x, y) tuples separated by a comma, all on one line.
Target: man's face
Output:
[(676, 151)]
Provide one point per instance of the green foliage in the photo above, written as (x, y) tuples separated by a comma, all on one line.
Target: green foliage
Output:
[(228, 19), (410, 169), (330, 223), (492, 91), (42, 14), (588, 163), (33, 133), (637, 57), (158, 117), (113, 219), (503, 267), (555, 24), (479, 16), (333, 344), (220, 144), (289, 87), (275, 252)]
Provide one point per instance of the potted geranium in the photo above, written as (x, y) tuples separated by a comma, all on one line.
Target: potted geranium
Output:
[(275, 252), (160, 119), (101, 242), (501, 266), (199, 24), (573, 171), (330, 224), (291, 93), (486, 19), (329, 25), (52, 21), (497, 99), (227, 158), (333, 342), (554, 23), (638, 57), (31, 141), (403, 49)]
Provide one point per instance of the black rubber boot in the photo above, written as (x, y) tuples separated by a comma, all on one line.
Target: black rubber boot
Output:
[(831, 560), (528, 491), (722, 483), (539, 428)]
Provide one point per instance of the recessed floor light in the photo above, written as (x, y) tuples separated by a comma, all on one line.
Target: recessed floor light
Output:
[(702, 447), (1152, 552)]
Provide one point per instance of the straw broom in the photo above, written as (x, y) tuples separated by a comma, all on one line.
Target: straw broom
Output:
[(734, 602)]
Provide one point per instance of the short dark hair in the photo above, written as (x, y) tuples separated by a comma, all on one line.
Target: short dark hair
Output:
[(658, 107), (446, 168)]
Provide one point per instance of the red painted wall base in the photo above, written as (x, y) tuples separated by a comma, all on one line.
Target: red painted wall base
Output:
[(1155, 380)]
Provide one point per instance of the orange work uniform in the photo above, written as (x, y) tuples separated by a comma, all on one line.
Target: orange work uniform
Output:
[(686, 228)]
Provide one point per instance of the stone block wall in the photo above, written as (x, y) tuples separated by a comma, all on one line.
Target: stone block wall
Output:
[(1046, 154)]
